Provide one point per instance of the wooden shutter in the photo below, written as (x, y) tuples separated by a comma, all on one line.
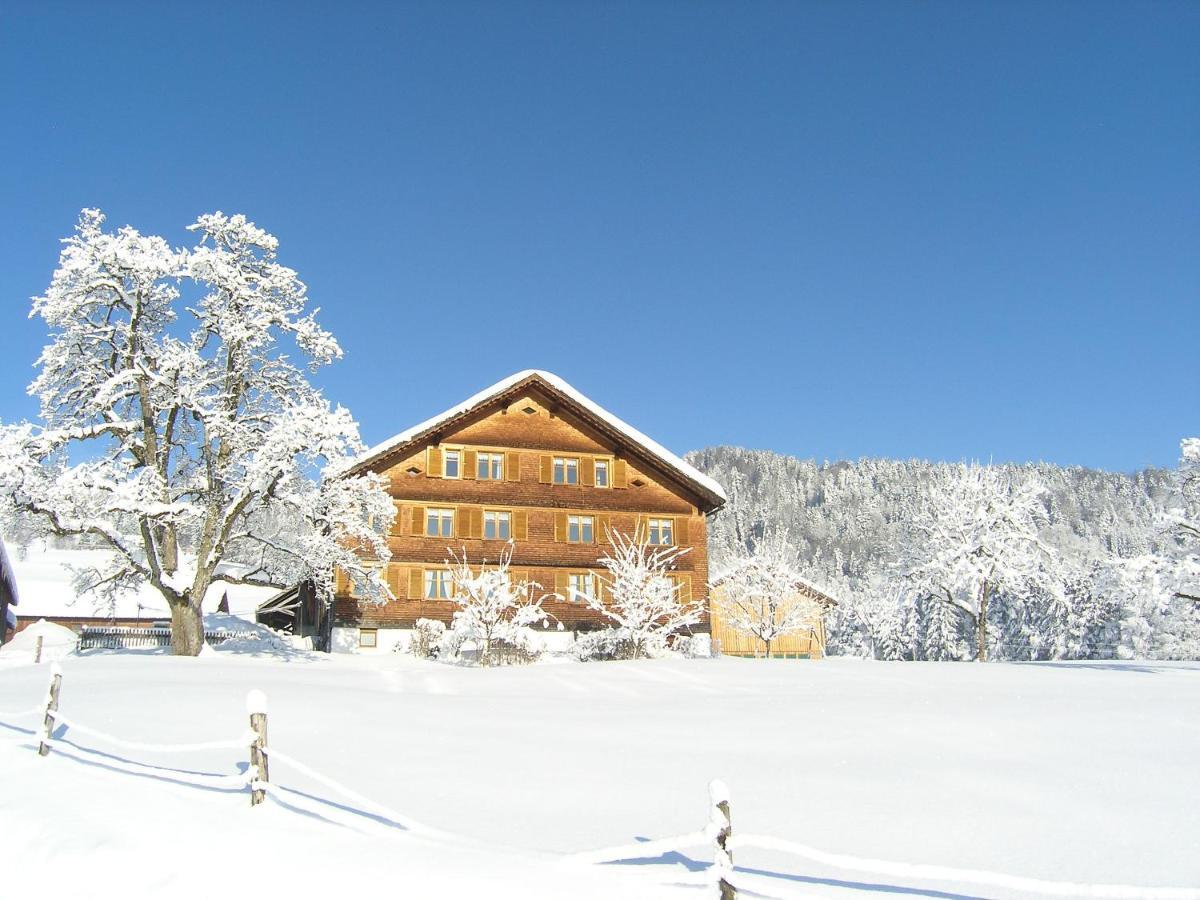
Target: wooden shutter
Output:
[(587, 471), (396, 528), (642, 528), (469, 463), (602, 527), (620, 478), (394, 577), (512, 465), (476, 523), (520, 525), (546, 469), (462, 522), (561, 583), (433, 462), (685, 588), (681, 530), (340, 582), (416, 583), (560, 526), (418, 521)]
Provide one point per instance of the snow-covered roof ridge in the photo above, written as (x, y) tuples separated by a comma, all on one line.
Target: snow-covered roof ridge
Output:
[(802, 584), (555, 383)]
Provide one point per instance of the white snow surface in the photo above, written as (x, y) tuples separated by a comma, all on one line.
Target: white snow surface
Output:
[(1081, 772), (43, 576), (57, 642), (664, 455)]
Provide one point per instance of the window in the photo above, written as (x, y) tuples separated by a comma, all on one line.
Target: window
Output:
[(581, 585), (490, 466), (368, 637), (581, 529), (439, 523), (437, 584), (358, 583), (602, 473), (497, 525), (452, 464), (661, 531), (566, 470)]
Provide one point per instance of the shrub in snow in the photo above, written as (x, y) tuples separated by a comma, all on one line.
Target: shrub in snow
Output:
[(494, 614), (694, 646), (427, 635), (640, 597), (178, 427)]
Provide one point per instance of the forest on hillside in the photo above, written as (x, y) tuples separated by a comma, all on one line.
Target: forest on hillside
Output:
[(1107, 587)]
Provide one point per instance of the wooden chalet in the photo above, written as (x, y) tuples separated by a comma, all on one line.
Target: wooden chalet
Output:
[(8, 595), (532, 460), (807, 642)]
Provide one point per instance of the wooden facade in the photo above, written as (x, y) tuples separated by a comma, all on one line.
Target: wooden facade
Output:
[(8, 595), (533, 462)]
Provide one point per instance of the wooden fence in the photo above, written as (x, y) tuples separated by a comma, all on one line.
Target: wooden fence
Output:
[(113, 637)]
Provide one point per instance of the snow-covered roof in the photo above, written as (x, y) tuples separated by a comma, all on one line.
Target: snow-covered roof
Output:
[(8, 580), (46, 578), (798, 583), (555, 385)]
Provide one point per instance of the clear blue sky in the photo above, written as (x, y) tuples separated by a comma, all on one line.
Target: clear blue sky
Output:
[(947, 230)]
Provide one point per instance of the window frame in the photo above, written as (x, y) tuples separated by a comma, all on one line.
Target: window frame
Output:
[(486, 459), (497, 514), (434, 511), (567, 464), (607, 463), (577, 520), (574, 595), (436, 577), (656, 524), (374, 633), (458, 458)]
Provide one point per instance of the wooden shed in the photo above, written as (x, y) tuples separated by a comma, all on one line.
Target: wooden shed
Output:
[(807, 642)]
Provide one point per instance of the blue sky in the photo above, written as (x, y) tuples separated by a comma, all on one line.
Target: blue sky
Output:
[(944, 230)]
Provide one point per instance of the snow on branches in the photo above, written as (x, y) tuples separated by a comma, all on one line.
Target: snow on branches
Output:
[(639, 595), (762, 593), (174, 428), (495, 611), (979, 536)]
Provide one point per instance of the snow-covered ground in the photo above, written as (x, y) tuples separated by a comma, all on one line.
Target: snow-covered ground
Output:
[(1084, 772)]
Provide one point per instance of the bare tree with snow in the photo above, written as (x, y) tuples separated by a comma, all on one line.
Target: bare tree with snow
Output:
[(173, 418), (639, 594), (979, 536), (763, 595), (494, 608)]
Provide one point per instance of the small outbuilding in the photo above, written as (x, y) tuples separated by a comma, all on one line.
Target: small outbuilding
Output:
[(805, 642)]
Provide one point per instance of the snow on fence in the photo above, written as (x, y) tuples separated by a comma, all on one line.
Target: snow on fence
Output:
[(116, 637), (716, 834)]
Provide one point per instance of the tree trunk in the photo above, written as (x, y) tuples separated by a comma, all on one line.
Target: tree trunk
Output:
[(187, 630), (981, 626), (768, 643)]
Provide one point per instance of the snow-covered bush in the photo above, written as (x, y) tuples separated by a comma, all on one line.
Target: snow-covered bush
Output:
[(639, 595), (427, 636), (694, 646), (495, 612)]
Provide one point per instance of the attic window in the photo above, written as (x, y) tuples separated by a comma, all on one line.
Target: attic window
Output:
[(637, 482), (413, 470), (529, 410)]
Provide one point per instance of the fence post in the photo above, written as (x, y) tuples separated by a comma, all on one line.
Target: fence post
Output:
[(722, 824), (37, 650), (256, 705), (51, 708)]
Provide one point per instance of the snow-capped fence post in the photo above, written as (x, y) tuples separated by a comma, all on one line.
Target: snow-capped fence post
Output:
[(722, 826), (52, 696), (37, 650), (256, 705)]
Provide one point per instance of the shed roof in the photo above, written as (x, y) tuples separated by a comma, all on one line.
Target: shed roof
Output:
[(624, 433), (800, 585)]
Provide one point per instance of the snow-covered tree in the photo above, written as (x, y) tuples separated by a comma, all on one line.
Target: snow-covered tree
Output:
[(174, 426), (639, 595), (1187, 518), (494, 609), (979, 538), (763, 595)]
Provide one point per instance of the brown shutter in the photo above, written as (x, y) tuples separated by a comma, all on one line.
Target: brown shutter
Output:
[(681, 530), (462, 522), (476, 523), (520, 525), (685, 588), (469, 463), (394, 573), (561, 583), (587, 471), (620, 479), (512, 465), (396, 527), (602, 528), (339, 582), (418, 521), (416, 583), (546, 470), (560, 526), (642, 527), (433, 463)]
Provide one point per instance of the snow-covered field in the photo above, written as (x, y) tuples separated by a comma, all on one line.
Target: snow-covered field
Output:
[(1084, 772)]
